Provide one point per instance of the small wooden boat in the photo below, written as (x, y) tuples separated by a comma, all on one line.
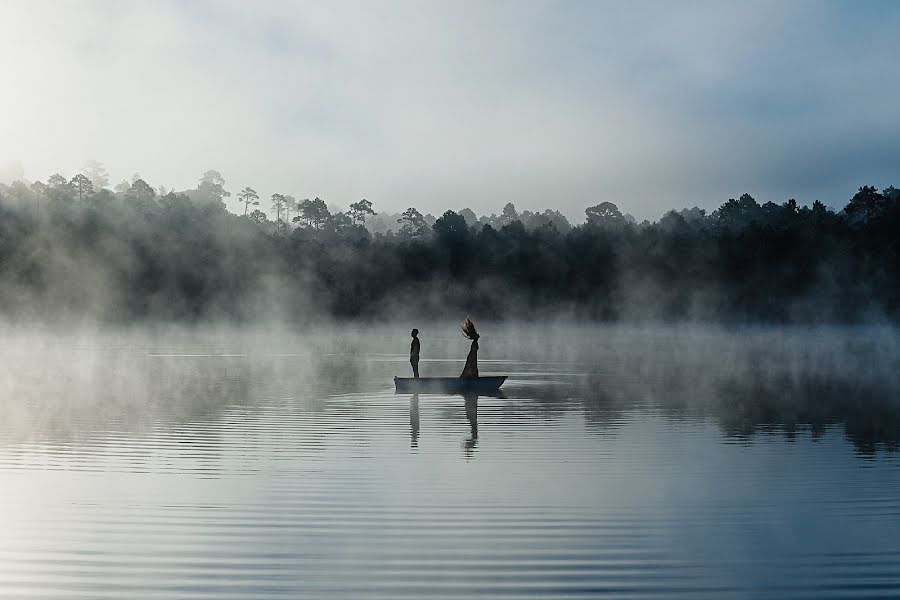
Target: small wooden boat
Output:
[(448, 384)]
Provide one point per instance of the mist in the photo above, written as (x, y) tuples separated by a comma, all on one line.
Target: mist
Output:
[(180, 385), (416, 300), (75, 383), (71, 252)]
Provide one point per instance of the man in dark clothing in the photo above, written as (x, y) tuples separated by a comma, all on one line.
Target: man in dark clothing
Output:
[(414, 352)]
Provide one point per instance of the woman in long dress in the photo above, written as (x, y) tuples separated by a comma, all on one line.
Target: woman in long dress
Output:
[(470, 371)]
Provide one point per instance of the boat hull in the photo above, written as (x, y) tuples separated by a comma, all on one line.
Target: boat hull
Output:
[(448, 384)]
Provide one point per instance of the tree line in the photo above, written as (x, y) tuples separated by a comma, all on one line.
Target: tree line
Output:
[(73, 248)]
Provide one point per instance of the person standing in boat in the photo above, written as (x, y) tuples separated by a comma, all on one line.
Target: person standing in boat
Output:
[(470, 371), (414, 352)]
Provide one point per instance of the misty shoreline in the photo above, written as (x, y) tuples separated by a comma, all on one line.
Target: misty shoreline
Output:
[(69, 253)]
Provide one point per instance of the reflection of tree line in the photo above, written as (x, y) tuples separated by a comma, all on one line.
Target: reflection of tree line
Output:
[(58, 402), (743, 404), (748, 380), (869, 414), (73, 246)]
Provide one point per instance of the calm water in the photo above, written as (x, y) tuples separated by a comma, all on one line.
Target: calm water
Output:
[(619, 462)]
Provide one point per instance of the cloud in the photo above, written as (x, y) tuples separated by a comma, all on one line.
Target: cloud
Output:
[(650, 105)]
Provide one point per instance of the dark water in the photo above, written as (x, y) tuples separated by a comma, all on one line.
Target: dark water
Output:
[(619, 463)]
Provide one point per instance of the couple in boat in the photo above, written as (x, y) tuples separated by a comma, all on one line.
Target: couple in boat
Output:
[(470, 371)]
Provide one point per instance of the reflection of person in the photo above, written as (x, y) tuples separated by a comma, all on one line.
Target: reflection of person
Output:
[(414, 421), (470, 371), (414, 352), (471, 403)]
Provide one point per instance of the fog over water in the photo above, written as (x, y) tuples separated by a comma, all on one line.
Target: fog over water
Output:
[(623, 461), (675, 228)]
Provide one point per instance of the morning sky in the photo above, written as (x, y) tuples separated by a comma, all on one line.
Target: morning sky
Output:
[(452, 104)]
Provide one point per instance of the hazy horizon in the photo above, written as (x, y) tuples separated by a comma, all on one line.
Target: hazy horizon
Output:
[(650, 106), (412, 299)]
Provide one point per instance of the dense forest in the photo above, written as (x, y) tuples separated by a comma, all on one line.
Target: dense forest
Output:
[(75, 249)]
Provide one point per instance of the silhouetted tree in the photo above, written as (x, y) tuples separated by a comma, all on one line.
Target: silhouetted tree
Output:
[(82, 187), (694, 217), (891, 194), (737, 214), (673, 222), (249, 197), (469, 215), (450, 226), (509, 214), (338, 222), (818, 208), (140, 196), (559, 220), (300, 219), (212, 189), (278, 206), (865, 205), (413, 224), (359, 211), (39, 189), (58, 189), (57, 181), (314, 212), (258, 217), (604, 214)]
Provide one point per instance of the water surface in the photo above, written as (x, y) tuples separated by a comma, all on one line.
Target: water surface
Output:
[(685, 462)]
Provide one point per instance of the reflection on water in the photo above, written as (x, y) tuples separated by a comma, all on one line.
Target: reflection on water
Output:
[(414, 421), (471, 404), (691, 463)]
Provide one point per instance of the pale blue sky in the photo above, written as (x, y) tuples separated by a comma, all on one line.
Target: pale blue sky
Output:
[(445, 105)]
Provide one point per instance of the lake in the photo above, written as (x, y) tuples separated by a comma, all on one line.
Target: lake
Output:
[(618, 462)]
